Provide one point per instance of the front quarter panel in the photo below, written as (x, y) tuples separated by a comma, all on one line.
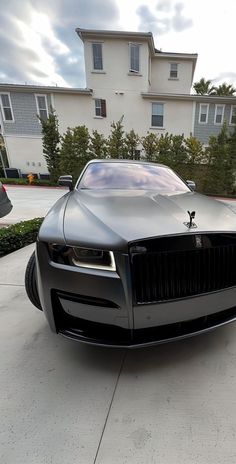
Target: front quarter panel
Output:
[(52, 228)]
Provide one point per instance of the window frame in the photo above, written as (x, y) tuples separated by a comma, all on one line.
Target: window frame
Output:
[(101, 106), (93, 67), (177, 70), (157, 103), (223, 112), (199, 117), (133, 71), (231, 114), (37, 105), (2, 108)]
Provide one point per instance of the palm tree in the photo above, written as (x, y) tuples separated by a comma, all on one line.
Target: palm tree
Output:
[(203, 87), (224, 90)]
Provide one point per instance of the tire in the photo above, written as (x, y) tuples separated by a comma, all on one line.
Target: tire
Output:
[(31, 283)]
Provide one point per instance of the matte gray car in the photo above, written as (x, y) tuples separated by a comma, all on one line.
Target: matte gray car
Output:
[(132, 256), (5, 204)]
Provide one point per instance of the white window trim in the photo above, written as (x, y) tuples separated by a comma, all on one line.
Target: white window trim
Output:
[(207, 105), (223, 113), (37, 106), (231, 114), (93, 69), (177, 77), (134, 73), (160, 103), (97, 115), (3, 115)]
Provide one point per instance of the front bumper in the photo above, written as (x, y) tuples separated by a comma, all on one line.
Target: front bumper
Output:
[(95, 306), (102, 335)]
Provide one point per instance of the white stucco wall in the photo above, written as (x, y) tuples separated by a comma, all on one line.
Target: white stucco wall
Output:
[(115, 74), (74, 110), (160, 76), (24, 150), (177, 117), (77, 110)]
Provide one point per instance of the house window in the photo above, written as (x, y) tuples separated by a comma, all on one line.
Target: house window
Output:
[(157, 114), (233, 115), (6, 107), (100, 108), (173, 70), (219, 113), (97, 56), (42, 106), (203, 113), (134, 58)]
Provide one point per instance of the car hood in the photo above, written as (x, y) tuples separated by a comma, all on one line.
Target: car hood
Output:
[(111, 218)]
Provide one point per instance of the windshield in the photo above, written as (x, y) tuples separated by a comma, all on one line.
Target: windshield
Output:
[(131, 176)]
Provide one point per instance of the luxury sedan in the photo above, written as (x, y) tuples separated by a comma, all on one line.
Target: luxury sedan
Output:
[(5, 204), (133, 256)]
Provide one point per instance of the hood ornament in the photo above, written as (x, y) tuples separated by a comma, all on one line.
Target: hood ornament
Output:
[(191, 224)]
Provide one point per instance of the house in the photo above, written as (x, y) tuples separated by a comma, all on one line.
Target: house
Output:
[(210, 112), (21, 129), (134, 79), (125, 75)]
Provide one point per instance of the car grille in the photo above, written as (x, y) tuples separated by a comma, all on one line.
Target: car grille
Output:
[(179, 267)]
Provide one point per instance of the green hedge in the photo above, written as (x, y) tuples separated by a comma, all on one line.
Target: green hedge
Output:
[(19, 235), (23, 181)]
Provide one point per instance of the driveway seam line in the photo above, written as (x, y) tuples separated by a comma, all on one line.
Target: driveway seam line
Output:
[(109, 409), (12, 285)]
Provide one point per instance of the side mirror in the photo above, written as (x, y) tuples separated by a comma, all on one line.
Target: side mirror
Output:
[(66, 181), (191, 184)]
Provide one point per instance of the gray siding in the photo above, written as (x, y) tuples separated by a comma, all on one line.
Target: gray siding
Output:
[(24, 113), (203, 131)]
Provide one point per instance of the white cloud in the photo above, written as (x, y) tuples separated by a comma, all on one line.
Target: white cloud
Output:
[(34, 34), (210, 34), (38, 42)]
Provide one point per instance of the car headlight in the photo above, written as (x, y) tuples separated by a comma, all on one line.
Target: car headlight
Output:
[(82, 257)]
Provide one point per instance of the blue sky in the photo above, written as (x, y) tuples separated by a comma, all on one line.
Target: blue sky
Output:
[(39, 45)]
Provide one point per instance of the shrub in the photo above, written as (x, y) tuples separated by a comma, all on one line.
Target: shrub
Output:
[(116, 141), (150, 145), (98, 145), (51, 139), (19, 235), (131, 145), (74, 152)]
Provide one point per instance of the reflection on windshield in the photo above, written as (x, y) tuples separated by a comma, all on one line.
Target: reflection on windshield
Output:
[(131, 176)]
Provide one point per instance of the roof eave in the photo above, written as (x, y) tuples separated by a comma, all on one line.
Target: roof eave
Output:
[(43, 89), (180, 56), (95, 33), (188, 97)]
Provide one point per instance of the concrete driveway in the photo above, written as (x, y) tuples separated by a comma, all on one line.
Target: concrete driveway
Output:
[(30, 202), (63, 402)]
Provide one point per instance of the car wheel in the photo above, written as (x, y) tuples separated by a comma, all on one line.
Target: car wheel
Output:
[(31, 283)]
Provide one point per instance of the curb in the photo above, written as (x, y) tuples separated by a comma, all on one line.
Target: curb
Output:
[(34, 186)]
